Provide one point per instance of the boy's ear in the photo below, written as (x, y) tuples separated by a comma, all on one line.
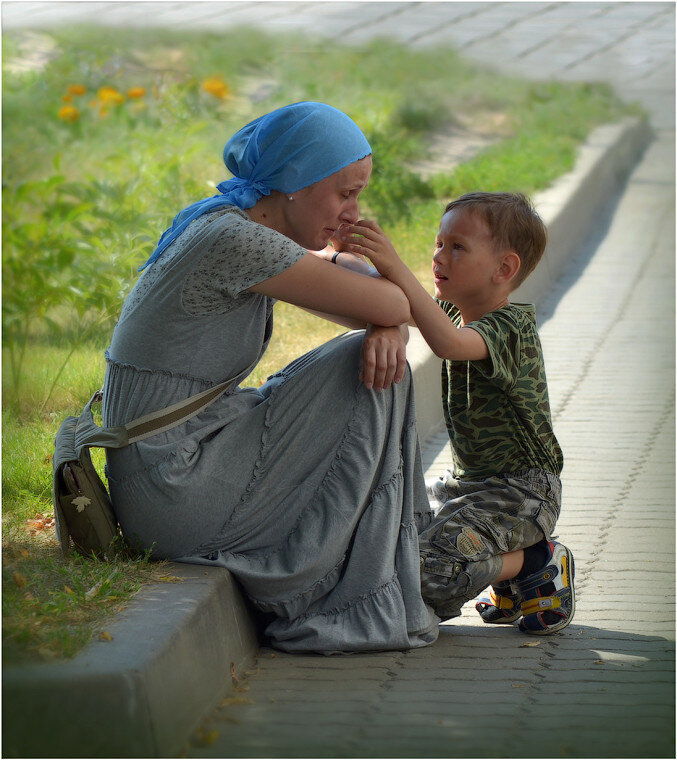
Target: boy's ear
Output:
[(508, 268)]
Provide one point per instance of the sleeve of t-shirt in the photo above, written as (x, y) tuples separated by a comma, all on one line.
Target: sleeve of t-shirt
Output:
[(238, 253), (234, 254), (502, 335)]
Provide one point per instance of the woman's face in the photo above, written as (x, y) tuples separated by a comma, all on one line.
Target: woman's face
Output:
[(317, 211)]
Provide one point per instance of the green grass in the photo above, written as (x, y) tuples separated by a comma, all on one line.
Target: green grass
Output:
[(85, 201)]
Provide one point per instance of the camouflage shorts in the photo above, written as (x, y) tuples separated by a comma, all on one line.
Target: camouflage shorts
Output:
[(479, 521)]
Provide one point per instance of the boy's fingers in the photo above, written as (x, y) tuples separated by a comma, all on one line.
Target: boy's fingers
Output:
[(367, 229), (370, 224)]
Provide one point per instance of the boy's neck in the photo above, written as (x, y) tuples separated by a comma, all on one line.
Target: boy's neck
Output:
[(474, 311)]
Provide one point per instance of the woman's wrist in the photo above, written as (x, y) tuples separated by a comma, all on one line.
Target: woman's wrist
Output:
[(355, 264)]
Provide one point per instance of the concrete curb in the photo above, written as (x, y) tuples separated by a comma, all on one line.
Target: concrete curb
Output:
[(141, 694)]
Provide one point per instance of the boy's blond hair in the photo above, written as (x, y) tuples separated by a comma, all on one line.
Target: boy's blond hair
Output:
[(514, 225)]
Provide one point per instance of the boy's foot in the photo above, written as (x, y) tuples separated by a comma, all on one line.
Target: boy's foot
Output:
[(548, 599), (502, 606)]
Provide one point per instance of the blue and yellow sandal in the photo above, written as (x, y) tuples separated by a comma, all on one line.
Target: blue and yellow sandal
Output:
[(548, 599), (502, 606)]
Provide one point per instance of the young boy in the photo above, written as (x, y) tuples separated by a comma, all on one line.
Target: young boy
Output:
[(502, 500)]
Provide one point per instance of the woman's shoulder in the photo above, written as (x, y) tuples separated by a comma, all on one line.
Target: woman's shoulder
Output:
[(232, 228)]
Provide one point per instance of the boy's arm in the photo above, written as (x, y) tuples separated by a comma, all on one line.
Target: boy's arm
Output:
[(443, 337)]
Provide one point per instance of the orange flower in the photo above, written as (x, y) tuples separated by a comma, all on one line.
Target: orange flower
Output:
[(136, 92), (67, 98), (69, 113), (110, 95), (216, 86), (77, 89)]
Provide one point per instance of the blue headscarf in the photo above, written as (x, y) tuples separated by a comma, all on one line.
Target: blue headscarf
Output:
[(284, 150)]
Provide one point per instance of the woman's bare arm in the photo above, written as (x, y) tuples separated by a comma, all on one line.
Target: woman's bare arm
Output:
[(321, 286)]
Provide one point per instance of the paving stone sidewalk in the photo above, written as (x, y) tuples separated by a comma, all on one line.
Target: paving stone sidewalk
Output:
[(604, 687)]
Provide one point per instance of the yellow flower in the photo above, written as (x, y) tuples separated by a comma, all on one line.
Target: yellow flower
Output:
[(216, 86), (136, 92), (69, 113), (110, 95), (77, 89)]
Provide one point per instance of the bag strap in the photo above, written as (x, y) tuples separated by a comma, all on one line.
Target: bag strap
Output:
[(90, 434), (171, 416)]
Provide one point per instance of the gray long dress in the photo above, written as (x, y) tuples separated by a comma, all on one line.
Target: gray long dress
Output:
[(309, 488)]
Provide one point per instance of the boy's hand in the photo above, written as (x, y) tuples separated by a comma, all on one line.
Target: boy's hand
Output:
[(366, 238)]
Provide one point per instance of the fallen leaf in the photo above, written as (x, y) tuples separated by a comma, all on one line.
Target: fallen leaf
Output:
[(68, 589), (105, 636), (19, 579), (94, 590), (203, 738), (530, 644), (169, 579), (599, 662), (233, 674), (236, 701)]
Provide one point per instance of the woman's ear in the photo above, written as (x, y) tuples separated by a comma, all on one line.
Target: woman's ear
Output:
[(508, 267)]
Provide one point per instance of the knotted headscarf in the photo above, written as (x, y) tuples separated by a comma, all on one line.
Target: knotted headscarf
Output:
[(284, 150)]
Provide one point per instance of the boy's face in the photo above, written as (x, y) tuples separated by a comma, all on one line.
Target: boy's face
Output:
[(465, 258)]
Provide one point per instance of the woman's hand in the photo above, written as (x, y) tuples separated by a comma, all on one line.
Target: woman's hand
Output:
[(366, 238), (384, 356)]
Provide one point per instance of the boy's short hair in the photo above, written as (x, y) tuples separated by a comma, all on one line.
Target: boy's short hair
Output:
[(514, 225)]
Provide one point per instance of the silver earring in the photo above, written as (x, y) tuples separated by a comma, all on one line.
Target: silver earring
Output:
[(291, 197)]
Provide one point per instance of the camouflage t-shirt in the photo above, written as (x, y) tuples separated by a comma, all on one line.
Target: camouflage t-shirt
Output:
[(497, 410)]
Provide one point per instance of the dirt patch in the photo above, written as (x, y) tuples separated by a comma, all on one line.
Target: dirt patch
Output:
[(35, 51), (457, 143)]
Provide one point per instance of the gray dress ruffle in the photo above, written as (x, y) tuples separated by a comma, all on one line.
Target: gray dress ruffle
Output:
[(308, 489)]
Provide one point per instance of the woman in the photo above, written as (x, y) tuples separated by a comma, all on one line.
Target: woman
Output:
[(309, 488)]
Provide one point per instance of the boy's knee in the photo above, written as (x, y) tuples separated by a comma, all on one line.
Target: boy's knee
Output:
[(462, 542)]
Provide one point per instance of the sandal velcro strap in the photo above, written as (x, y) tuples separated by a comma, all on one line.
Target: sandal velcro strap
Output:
[(540, 604), (501, 602), (544, 575)]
